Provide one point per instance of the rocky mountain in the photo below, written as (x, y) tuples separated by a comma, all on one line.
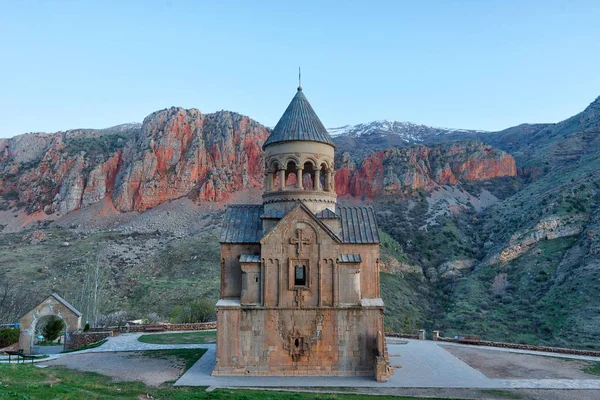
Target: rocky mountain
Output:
[(406, 169), (178, 152), (368, 137), (174, 152), (491, 233), (404, 132)]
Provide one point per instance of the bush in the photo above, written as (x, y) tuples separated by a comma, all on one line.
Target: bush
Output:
[(9, 336), (86, 327), (53, 329), (197, 311), (11, 195)]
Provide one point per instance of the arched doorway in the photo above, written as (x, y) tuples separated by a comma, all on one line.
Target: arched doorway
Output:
[(49, 335), (52, 305)]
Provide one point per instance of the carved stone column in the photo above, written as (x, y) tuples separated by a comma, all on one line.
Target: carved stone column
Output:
[(317, 182), (332, 181), (268, 181), (282, 178), (299, 178)]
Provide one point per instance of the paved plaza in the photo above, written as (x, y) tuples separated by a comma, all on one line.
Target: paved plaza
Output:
[(418, 363)]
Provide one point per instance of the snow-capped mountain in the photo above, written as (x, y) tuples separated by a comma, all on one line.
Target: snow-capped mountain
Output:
[(406, 131)]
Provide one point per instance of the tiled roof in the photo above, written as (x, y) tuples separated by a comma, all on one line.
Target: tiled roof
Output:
[(327, 214), (272, 214), (299, 122), (250, 258), (358, 225), (349, 258), (242, 224)]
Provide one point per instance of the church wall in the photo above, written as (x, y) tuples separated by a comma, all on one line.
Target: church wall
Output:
[(279, 266), (231, 272), (331, 341), (369, 274)]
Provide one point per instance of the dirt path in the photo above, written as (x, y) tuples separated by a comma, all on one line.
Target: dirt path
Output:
[(502, 365), (124, 366)]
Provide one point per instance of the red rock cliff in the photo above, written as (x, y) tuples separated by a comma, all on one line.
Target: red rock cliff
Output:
[(178, 152), (421, 167)]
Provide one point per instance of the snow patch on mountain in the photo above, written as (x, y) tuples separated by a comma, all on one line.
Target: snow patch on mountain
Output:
[(408, 131)]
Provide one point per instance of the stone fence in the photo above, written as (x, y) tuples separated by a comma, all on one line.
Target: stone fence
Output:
[(84, 338), (201, 326)]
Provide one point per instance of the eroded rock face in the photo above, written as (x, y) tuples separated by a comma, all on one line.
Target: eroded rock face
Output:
[(548, 228), (179, 151), (422, 167), (175, 152)]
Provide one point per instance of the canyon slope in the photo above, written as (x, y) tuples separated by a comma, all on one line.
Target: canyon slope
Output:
[(490, 233)]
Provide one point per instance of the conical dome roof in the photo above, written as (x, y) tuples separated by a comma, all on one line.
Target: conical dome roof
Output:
[(299, 122)]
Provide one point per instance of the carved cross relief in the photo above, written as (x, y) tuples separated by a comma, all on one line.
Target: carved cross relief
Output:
[(300, 241)]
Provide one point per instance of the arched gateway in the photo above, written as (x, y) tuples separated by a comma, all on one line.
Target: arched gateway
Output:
[(52, 305)]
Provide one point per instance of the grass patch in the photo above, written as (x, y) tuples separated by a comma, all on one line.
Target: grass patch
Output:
[(29, 382), (88, 346), (594, 369), (189, 356), (201, 337), (503, 394)]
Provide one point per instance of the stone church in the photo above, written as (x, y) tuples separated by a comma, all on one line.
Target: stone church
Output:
[(299, 273)]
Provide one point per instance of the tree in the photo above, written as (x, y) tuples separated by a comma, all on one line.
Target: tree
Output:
[(53, 329), (193, 312), (94, 282)]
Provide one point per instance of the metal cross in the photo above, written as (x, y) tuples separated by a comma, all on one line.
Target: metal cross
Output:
[(300, 241)]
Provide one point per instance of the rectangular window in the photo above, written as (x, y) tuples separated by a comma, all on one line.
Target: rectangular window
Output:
[(300, 275)]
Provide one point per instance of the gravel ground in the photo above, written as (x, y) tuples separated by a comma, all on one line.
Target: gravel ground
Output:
[(124, 366), (504, 365)]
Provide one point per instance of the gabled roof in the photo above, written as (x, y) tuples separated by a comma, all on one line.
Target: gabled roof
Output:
[(299, 122), (242, 224), (327, 214), (66, 304), (358, 225), (249, 258), (349, 258), (320, 223)]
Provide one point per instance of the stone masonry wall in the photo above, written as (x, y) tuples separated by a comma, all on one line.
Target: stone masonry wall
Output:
[(200, 326), (317, 341), (83, 339)]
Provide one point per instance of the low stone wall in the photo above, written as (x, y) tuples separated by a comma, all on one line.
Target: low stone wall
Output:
[(84, 338), (167, 327), (559, 350), (402, 335)]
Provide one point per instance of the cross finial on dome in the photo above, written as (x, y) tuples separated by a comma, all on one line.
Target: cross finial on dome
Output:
[(299, 80)]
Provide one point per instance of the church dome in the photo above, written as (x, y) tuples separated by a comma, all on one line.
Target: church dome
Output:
[(299, 122)]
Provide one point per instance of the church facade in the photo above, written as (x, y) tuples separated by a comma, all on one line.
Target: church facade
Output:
[(299, 273)]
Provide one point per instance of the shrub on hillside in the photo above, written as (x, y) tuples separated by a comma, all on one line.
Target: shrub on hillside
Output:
[(193, 312), (9, 336)]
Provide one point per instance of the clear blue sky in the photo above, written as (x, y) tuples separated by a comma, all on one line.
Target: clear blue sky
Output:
[(480, 64)]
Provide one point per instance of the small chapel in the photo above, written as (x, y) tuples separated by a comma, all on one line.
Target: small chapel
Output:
[(300, 273)]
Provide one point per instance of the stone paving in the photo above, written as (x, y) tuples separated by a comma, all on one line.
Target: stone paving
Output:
[(419, 364), (424, 364), (122, 342), (130, 342)]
